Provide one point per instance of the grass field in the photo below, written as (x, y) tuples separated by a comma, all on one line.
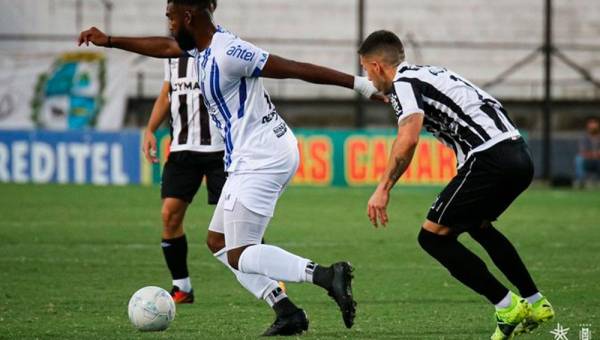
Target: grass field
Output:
[(71, 256)]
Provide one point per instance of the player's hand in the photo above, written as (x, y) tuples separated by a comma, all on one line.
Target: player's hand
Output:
[(94, 36), (149, 147), (377, 207), (380, 97)]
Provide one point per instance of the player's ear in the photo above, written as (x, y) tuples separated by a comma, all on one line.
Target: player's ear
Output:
[(378, 67), (187, 17)]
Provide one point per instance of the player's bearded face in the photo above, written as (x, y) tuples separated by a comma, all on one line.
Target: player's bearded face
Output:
[(184, 39)]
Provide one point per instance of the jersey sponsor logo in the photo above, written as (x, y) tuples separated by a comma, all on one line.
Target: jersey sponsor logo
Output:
[(280, 130), (271, 116), (240, 53), (185, 86)]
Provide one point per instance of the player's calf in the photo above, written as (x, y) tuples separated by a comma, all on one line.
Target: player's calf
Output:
[(175, 248), (281, 265)]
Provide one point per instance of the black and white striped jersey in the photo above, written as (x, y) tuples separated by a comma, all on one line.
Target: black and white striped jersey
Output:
[(190, 123), (456, 112)]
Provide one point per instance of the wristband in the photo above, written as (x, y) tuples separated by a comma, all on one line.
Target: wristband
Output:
[(109, 44), (364, 86)]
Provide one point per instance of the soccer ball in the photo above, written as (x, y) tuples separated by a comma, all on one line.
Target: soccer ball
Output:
[(151, 309)]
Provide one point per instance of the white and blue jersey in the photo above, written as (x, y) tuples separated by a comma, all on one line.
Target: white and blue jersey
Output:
[(256, 138)]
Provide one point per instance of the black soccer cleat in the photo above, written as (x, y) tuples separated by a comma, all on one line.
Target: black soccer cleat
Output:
[(293, 324), (341, 291)]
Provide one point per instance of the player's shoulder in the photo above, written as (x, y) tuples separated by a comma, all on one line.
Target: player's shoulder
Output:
[(233, 49), (408, 71), (422, 75)]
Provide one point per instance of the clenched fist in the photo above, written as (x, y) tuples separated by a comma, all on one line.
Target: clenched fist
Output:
[(93, 35)]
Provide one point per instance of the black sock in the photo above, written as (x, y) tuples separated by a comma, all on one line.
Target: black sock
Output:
[(322, 276), (175, 252), (506, 258), (463, 265)]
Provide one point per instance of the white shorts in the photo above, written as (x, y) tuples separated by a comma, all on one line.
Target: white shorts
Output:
[(247, 204)]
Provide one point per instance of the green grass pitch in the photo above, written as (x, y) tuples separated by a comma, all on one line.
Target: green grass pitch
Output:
[(71, 256)]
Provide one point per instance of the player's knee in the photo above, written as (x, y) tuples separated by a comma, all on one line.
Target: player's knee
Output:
[(425, 238), (233, 257), (431, 241), (480, 231), (215, 242), (172, 219), (437, 229)]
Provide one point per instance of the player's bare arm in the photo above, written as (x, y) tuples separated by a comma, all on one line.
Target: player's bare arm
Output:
[(158, 115), (402, 153), (281, 68), (158, 47)]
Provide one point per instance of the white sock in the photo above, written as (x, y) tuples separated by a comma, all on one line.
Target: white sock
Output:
[(275, 296), (184, 285), (534, 298), (259, 285), (505, 302), (275, 263)]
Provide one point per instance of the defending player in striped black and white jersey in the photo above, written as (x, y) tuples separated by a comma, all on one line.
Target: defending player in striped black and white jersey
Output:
[(458, 113), (495, 168)]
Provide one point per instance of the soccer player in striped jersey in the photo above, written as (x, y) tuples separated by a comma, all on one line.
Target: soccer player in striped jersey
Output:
[(196, 152), (261, 154), (494, 168)]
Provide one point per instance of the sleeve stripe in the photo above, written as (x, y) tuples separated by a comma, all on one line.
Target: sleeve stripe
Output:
[(257, 72)]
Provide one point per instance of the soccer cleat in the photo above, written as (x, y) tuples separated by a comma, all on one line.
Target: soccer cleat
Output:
[(541, 311), (180, 296), (293, 324), (510, 317), (341, 291)]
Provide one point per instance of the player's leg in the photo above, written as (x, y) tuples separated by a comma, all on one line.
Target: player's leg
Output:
[(244, 230), (260, 286), (215, 181), (462, 205), (515, 175), (180, 183), (442, 244), (174, 246), (506, 258)]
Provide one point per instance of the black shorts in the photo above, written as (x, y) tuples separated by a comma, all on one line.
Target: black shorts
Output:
[(184, 171), (484, 187)]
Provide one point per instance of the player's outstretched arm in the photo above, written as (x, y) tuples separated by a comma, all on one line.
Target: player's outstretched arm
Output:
[(158, 47), (402, 153), (159, 114), (281, 68)]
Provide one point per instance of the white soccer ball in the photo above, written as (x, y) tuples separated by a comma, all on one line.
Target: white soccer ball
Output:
[(151, 309)]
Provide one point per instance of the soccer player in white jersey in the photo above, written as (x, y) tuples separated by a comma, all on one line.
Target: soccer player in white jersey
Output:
[(495, 167), (196, 152), (261, 154)]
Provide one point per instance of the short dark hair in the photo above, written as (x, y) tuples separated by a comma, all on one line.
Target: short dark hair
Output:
[(202, 4), (385, 43)]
